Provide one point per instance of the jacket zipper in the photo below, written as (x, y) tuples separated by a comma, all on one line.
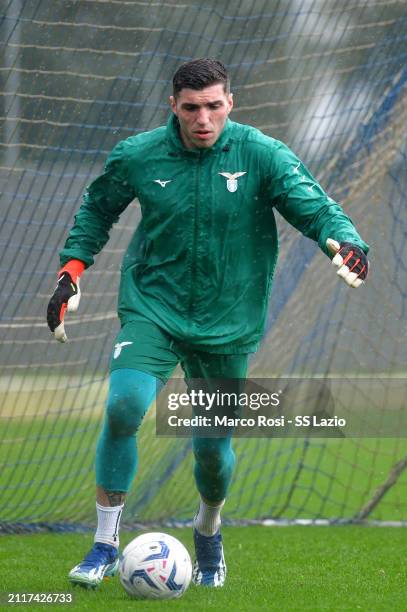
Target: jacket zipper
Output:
[(195, 240)]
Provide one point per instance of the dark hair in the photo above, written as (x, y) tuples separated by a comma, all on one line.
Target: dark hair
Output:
[(200, 73)]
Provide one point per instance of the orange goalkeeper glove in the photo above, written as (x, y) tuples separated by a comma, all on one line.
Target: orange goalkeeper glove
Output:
[(350, 260), (66, 297)]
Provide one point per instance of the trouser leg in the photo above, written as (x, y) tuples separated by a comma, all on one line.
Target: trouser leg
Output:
[(214, 456), (131, 393)]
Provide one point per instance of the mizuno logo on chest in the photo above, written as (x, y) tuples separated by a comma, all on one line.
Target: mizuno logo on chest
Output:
[(162, 183), (231, 182)]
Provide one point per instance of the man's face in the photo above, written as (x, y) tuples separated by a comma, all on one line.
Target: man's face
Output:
[(202, 114)]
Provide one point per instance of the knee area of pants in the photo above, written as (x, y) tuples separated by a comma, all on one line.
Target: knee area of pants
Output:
[(214, 458), (124, 413)]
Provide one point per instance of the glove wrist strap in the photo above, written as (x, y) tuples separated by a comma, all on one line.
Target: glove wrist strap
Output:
[(74, 267)]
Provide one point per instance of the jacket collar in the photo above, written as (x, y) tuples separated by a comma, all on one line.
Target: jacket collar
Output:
[(174, 138)]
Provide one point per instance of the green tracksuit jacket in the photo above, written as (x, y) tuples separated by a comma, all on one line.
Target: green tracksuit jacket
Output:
[(201, 262)]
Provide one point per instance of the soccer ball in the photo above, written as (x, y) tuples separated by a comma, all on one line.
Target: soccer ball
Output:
[(155, 566)]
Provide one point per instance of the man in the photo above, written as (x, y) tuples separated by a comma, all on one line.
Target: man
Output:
[(195, 282)]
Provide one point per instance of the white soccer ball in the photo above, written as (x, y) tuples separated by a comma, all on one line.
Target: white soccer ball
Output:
[(155, 566)]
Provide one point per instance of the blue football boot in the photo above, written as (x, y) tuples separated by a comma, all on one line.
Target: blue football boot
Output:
[(101, 562), (209, 567)]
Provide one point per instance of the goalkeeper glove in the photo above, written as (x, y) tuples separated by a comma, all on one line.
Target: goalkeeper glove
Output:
[(350, 260), (66, 297)]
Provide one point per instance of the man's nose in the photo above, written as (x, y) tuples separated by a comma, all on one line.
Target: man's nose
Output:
[(203, 116)]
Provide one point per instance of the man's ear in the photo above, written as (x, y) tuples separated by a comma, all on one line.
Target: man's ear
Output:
[(230, 102), (173, 104)]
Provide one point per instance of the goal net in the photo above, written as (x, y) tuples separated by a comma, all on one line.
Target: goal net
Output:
[(329, 80)]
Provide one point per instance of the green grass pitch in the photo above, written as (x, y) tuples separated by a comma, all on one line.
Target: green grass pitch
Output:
[(47, 474), (280, 568)]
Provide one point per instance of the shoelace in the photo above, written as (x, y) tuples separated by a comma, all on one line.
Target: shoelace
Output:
[(100, 554), (208, 551)]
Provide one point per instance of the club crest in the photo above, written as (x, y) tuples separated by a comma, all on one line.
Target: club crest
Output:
[(118, 348), (231, 182)]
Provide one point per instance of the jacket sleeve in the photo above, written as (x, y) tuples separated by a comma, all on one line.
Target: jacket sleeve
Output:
[(103, 202), (304, 204)]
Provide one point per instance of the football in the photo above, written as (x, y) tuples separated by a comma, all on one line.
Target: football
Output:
[(155, 566)]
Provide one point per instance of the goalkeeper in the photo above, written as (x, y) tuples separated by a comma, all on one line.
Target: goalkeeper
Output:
[(195, 282)]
